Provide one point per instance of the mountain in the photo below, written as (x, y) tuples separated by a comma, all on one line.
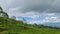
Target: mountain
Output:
[(56, 24)]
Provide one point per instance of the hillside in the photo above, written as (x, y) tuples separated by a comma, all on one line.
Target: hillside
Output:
[(10, 26)]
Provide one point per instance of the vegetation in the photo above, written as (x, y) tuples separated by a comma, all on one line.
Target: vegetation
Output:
[(3, 14), (11, 26)]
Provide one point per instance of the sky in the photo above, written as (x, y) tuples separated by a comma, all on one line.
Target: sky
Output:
[(34, 11)]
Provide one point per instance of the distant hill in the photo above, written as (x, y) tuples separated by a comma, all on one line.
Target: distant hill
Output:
[(56, 24)]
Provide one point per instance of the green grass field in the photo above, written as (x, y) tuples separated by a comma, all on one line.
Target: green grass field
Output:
[(10, 26)]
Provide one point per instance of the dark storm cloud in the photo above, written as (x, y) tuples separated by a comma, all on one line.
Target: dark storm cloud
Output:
[(26, 6), (50, 6), (38, 5), (42, 6)]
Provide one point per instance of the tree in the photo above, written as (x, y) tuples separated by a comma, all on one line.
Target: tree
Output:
[(1, 8), (3, 14), (13, 17), (35, 24), (24, 23)]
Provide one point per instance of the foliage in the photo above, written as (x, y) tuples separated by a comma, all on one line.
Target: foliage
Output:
[(3, 14), (13, 17)]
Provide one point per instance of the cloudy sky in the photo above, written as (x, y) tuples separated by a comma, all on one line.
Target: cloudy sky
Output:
[(34, 11)]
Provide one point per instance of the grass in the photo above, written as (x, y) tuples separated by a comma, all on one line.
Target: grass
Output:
[(10, 26)]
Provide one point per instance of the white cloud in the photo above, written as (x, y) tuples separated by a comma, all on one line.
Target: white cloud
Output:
[(51, 20)]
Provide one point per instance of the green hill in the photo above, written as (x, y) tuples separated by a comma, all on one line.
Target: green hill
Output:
[(10, 26)]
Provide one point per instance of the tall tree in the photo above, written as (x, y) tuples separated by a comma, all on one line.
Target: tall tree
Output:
[(3, 14), (1, 8)]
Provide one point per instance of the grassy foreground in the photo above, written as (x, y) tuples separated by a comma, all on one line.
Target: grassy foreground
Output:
[(10, 26)]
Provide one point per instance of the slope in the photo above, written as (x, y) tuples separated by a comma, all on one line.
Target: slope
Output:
[(10, 26)]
